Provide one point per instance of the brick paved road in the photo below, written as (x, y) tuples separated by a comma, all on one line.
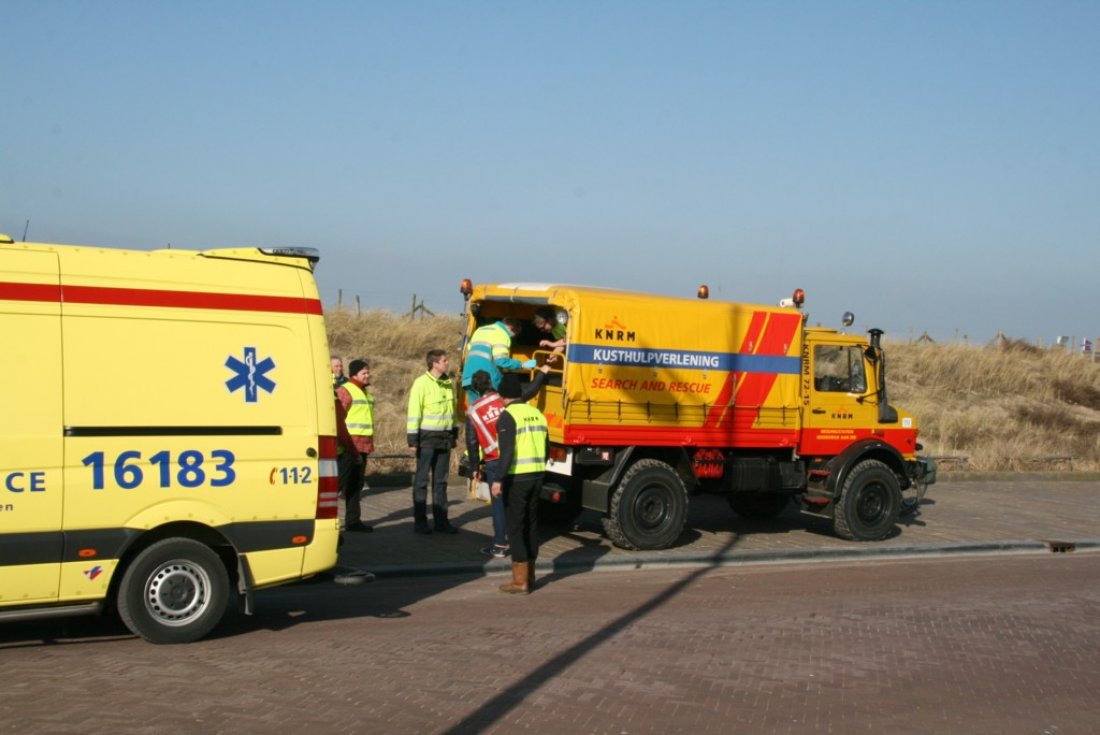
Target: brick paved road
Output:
[(988, 644), (986, 512)]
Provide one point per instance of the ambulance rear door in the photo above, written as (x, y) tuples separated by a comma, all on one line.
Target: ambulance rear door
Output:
[(31, 492)]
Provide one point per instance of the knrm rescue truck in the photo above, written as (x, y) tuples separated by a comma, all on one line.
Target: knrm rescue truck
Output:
[(659, 398), (168, 435)]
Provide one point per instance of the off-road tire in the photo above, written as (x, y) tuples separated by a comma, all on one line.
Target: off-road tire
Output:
[(648, 507), (175, 591), (869, 503)]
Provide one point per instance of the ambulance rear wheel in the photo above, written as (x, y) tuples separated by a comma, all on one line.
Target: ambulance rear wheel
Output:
[(648, 508), (869, 503), (175, 591)]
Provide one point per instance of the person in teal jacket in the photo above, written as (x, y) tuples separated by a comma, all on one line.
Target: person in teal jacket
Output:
[(490, 350)]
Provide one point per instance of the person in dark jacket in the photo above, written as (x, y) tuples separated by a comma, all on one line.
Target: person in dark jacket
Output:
[(523, 438), (481, 440)]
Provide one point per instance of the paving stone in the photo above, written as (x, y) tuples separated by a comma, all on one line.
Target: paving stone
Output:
[(691, 639)]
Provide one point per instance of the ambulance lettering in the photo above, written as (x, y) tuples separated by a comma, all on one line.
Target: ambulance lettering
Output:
[(291, 475), (188, 469), (22, 482)]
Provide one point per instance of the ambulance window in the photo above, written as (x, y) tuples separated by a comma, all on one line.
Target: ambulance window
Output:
[(839, 369)]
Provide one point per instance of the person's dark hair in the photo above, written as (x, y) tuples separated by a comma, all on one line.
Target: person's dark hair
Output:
[(356, 365), (546, 313), (513, 324), (433, 357), (510, 386), (481, 382)]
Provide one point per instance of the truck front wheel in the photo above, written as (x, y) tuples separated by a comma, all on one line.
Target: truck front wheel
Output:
[(648, 508), (175, 591), (869, 503)]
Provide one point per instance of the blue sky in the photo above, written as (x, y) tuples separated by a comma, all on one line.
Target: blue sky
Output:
[(930, 166)]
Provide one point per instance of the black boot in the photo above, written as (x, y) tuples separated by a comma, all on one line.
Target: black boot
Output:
[(439, 515), (420, 516)]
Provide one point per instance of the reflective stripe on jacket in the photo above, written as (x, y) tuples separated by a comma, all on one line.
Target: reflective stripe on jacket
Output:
[(531, 434), (361, 411)]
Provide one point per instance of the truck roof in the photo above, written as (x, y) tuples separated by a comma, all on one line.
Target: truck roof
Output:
[(565, 294)]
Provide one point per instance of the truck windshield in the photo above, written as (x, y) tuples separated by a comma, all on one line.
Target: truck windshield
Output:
[(839, 369)]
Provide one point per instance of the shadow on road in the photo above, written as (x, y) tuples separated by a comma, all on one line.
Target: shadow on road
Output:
[(496, 708)]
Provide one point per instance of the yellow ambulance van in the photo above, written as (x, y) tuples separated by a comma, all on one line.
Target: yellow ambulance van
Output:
[(168, 436)]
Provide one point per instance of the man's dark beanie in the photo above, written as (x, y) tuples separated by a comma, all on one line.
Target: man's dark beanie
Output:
[(356, 365), (510, 387)]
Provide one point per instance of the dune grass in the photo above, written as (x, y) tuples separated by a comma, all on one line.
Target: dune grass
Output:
[(396, 347), (1006, 406)]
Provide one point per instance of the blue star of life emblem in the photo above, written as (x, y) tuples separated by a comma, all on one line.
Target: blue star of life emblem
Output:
[(250, 375)]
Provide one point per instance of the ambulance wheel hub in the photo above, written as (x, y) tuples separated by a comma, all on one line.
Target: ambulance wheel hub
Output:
[(177, 592)]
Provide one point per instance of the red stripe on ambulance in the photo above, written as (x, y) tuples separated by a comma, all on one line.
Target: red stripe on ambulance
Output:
[(68, 294)]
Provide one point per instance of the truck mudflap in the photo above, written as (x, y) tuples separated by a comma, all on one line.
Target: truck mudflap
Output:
[(922, 473)]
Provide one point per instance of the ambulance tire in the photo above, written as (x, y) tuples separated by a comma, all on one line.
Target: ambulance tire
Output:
[(175, 591), (869, 503), (759, 505), (648, 507)]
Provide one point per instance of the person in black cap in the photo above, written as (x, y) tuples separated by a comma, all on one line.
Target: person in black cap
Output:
[(481, 441), (523, 438), (355, 396)]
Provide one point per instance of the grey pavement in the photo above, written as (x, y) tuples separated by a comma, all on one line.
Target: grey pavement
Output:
[(699, 642), (959, 515)]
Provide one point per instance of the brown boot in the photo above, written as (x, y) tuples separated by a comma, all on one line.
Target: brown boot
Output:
[(518, 585)]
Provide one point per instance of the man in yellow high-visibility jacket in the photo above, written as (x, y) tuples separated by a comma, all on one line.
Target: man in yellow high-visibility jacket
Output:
[(522, 435), (432, 431)]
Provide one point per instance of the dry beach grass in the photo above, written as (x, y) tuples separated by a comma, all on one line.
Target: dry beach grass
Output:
[(1004, 406)]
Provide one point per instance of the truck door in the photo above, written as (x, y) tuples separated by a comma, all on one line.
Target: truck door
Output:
[(30, 426), (839, 402)]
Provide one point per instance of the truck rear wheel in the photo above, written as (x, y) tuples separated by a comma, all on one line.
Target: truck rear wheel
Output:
[(869, 503), (648, 508), (759, 505), (175, 591)]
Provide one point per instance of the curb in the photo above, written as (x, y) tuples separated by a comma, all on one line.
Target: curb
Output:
[(385, 481), (661, 559)]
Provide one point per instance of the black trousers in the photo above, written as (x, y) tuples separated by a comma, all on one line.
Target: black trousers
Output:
[(435, 462), (521, 506), (351, 477)]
